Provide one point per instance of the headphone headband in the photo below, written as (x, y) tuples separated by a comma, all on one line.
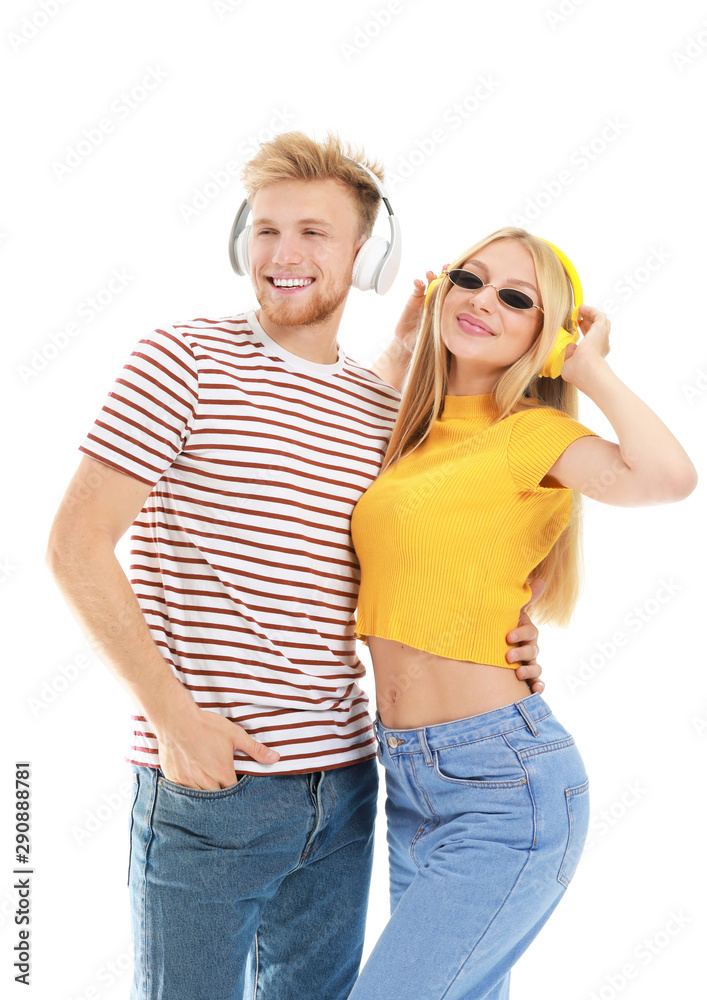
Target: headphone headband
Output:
[(571, 272)]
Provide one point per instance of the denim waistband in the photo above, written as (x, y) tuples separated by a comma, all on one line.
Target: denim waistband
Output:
[(521, 714)]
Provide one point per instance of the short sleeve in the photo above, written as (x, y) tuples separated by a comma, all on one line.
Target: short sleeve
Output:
[(150, 409), (537, 440)]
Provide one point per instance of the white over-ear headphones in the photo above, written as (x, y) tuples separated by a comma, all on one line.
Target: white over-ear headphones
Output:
[(375, 265)]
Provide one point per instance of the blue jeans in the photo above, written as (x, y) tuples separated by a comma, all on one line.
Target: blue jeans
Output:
[(258, 890), (487, 818)]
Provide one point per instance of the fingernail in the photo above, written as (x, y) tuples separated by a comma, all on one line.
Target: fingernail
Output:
[(513, 636), (271, 755)]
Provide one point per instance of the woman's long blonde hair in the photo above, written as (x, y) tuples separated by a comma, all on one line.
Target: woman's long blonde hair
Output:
[(426, 386)]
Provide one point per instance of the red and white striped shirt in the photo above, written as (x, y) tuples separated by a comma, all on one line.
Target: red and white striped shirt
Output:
[(241, 558)]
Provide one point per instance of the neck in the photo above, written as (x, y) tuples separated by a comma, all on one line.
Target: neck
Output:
[(314, 342), (468, 380)]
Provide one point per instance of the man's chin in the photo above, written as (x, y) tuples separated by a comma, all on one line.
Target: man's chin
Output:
[(293, 313)]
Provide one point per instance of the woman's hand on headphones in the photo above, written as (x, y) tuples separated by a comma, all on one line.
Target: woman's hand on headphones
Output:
[(406, 330), (593, 345)]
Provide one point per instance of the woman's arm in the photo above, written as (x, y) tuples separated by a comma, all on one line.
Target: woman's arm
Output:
[(648, 465), (392, 364)]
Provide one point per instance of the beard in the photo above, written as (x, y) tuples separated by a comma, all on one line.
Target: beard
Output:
[(317, 307)]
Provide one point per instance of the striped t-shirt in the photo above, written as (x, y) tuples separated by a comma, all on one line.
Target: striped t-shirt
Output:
[(241, 558)]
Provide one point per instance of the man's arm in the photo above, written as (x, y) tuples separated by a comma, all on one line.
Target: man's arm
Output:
[(100, 504)]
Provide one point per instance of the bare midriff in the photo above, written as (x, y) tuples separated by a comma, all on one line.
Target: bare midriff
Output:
[(415, 688)]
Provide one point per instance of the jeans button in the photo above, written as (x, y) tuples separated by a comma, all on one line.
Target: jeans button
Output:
[(393, 741)]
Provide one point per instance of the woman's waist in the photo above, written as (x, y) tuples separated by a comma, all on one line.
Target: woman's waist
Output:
[(417, 688), (531, 714)]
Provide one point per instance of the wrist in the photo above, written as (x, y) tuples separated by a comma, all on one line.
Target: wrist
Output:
[(593, 374), (399, 349), (169, 707)]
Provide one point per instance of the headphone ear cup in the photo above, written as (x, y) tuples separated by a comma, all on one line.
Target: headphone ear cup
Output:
[(430, 289), (242, 251), (556, 357), (367, 263)]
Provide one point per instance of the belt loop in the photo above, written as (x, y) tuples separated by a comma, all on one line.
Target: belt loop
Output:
[(375, 729), (425, 748), (528, 720)]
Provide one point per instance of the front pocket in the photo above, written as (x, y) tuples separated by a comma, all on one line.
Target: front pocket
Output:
[(578, 815), (488, 763), (201, 793)]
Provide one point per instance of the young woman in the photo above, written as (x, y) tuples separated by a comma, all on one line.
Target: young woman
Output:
[(487, 795)]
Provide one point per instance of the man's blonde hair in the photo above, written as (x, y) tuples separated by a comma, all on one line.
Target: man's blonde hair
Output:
[(295, 156)]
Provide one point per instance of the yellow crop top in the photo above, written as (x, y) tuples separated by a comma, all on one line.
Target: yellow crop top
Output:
[(447, 536)]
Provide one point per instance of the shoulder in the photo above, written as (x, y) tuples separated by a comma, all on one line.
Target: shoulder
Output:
[(539, 414), (370, 382), (539, 419), (203, 330)]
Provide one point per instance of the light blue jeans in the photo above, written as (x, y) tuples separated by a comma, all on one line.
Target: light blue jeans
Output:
[(487, 818), (258, 890)]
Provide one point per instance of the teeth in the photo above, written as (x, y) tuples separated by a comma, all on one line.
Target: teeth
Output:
[(291, 282)]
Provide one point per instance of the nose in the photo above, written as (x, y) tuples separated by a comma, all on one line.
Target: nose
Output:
[(286, 251), (485, 298)]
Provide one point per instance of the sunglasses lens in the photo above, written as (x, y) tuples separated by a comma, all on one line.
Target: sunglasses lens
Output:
[(515, 299), (465, 279), (472, 283)]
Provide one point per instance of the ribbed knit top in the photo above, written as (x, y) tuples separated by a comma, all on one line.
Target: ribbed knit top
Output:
[(448, 535)]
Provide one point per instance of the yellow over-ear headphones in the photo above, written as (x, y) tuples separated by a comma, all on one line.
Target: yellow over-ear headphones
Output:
[(556, 358)]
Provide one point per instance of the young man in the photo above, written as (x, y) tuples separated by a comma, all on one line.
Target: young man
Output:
[(237, 448)]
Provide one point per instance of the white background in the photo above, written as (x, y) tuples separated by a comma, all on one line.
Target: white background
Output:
[(585, 119)]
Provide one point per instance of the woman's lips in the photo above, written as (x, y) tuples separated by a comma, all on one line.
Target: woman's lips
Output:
[(474, 326)]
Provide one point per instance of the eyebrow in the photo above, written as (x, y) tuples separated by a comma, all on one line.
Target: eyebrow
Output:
[(302, 222), (515, 281)]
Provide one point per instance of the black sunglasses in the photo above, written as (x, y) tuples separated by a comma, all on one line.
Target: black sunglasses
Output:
[(511, 297)]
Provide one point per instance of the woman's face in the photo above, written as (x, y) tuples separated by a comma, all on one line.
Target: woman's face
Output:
[(484, 336)]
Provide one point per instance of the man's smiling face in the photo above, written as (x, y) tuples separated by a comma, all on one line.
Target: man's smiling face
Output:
[(304, 238)]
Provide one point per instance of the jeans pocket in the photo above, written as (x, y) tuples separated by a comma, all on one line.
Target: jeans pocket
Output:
[(201, 793), (136, 790), (486, 763), (577, 800)]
